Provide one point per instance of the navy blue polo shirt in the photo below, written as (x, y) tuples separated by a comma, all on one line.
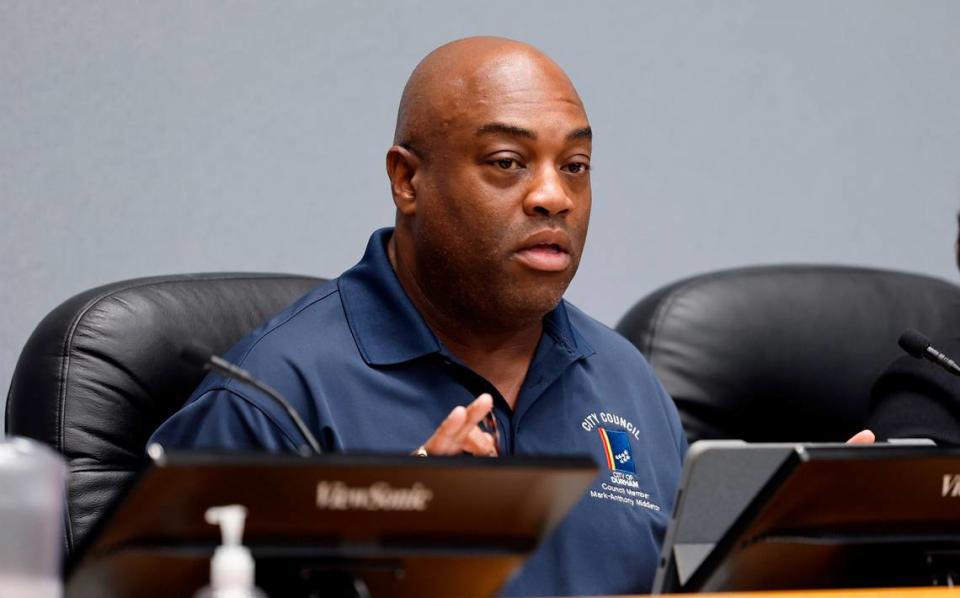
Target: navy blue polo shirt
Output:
[(366, 373)]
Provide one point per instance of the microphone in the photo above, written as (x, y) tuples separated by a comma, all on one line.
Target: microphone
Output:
[(917, 345), (201, 356)]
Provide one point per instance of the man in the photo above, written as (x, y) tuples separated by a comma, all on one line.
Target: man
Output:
[(915, 398), (456, 317)]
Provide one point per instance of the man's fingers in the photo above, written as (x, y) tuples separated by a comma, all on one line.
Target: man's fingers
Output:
[(476, 411), (480, 443), (459, 432), (863, 437), (442, 442), (479, 408)]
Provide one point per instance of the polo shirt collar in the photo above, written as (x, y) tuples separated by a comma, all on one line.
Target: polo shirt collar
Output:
[(387, 327)]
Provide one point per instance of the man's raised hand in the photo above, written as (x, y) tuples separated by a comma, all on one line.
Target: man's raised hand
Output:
[(460, 432)]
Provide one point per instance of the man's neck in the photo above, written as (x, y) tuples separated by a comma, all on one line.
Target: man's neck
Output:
[(503, 361), (502, 356)]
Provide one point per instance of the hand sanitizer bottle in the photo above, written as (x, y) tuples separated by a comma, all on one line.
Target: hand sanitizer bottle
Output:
[(231, 568)]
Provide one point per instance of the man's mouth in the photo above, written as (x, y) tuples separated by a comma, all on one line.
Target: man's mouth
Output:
[(545, 252)]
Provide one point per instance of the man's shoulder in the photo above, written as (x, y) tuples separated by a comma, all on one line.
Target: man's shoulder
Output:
[(611, 355), (276, 353), (603, 339), (317, 313)]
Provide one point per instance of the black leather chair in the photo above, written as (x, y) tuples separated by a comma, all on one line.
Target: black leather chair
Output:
[(102, 371), (783, 353)]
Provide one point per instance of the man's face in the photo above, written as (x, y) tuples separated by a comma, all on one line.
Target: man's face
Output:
[(503, 196)]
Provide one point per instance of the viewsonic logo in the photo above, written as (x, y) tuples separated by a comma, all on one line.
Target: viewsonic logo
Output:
[(951, 486), (379, 496)]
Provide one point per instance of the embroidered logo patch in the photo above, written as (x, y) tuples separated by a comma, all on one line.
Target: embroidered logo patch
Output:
[(616, 448), (624, 485)]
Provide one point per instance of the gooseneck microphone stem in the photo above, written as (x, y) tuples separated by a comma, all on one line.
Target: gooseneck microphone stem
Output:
[(919, 346), (202, 356), (947, 363)]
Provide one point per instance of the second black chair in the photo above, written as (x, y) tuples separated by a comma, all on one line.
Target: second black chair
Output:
[(783, 353)]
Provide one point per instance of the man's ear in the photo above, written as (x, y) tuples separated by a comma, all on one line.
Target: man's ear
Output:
[(402, 168)]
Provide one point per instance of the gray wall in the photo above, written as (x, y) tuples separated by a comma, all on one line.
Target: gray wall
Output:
[(158, 137)]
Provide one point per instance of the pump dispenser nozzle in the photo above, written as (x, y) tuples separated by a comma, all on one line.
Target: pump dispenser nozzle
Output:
[(231, 519)]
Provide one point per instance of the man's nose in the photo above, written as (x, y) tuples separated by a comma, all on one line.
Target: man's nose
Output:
[(548, 195)]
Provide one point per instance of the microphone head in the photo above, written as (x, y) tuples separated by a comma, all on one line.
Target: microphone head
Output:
[(196, 353), (913, 342)]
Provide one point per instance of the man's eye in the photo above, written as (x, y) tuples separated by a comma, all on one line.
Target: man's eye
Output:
[(577, 167), (506, 163)]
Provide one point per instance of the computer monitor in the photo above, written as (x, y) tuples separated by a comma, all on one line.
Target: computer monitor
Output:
[(398, 525), (828, 516)]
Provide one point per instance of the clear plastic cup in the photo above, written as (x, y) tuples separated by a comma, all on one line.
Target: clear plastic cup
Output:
[(32, 478)]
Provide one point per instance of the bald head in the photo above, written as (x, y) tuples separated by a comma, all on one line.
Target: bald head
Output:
[(464, 76)]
